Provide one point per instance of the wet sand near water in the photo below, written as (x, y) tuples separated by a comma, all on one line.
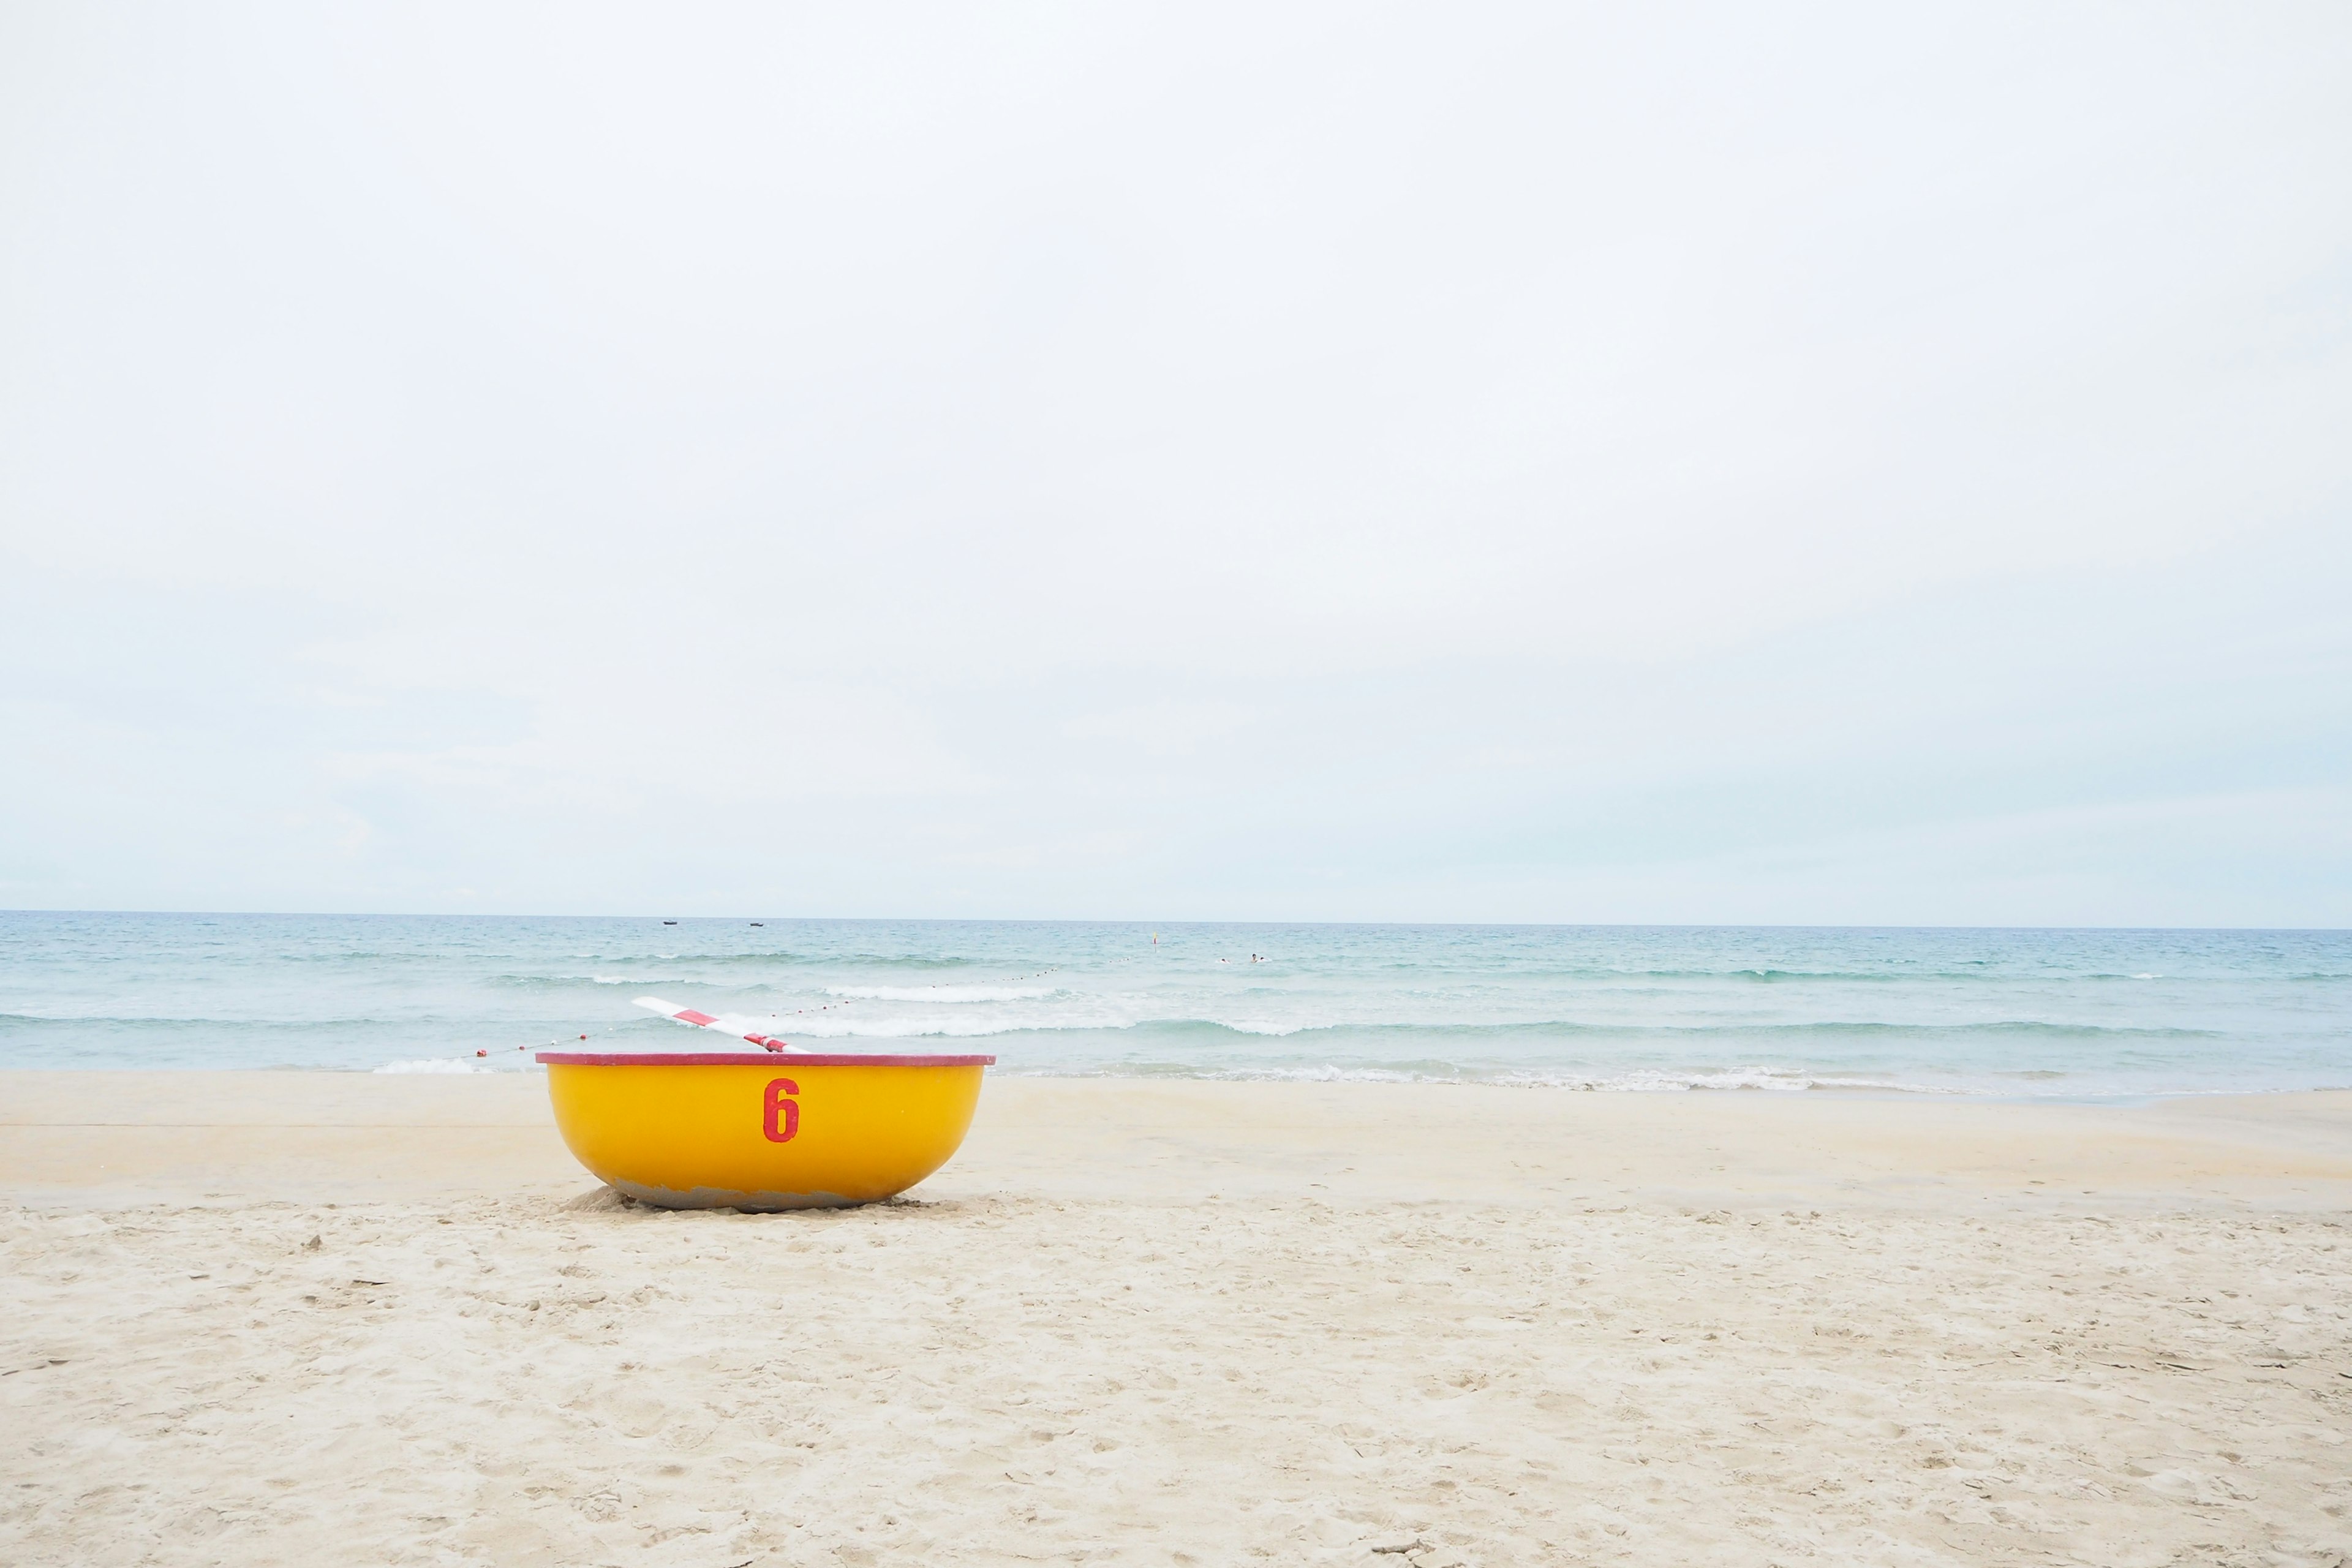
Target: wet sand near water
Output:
[(294, 1317)]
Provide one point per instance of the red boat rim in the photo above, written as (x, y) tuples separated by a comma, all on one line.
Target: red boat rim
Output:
[(749, 1059)]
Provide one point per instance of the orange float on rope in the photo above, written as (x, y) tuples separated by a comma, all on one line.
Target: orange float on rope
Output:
[(759, 1130)]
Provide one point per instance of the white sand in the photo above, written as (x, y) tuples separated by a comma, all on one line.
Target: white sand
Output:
[(1182, 1322)]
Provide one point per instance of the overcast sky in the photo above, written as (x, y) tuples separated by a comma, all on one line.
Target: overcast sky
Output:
[(1838, 464)]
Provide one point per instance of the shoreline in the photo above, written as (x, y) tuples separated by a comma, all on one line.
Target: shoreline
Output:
[(105, 1136), (1892, 1091)]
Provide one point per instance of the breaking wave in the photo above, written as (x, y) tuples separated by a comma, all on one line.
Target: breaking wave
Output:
[(943, 993)]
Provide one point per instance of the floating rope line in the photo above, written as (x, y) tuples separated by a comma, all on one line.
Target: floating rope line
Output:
[(559, 1045)]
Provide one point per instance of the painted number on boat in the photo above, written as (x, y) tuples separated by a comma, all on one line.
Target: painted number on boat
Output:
[(783, 1113)]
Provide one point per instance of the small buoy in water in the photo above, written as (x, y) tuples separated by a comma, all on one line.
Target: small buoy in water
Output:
[(481, 1053)]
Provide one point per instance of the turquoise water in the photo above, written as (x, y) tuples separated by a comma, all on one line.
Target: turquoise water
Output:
[(2072, 1013)]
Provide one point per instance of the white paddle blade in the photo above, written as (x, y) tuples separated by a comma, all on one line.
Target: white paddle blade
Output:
[(672, 1010), (742, 1029)]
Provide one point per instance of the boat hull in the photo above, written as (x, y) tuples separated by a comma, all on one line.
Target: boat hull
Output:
[(760, 1130)]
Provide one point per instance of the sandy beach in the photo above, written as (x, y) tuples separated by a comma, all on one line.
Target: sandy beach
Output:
[(253, 1317)]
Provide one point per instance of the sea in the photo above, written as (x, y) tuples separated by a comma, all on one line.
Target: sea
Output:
[(2092, 1015)]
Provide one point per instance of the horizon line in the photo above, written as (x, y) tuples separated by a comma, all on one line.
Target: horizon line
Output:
[(1173, 924)]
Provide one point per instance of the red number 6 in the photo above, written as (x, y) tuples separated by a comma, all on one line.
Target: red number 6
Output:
[(790, 1108)]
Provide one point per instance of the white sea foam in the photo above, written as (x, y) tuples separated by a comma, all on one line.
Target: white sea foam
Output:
[(1764, 1079), (943, 993), (1637, 1082), (944, 1026), (437, 1064)]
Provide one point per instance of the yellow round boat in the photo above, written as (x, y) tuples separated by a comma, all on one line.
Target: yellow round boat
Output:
[(754, 1130)]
